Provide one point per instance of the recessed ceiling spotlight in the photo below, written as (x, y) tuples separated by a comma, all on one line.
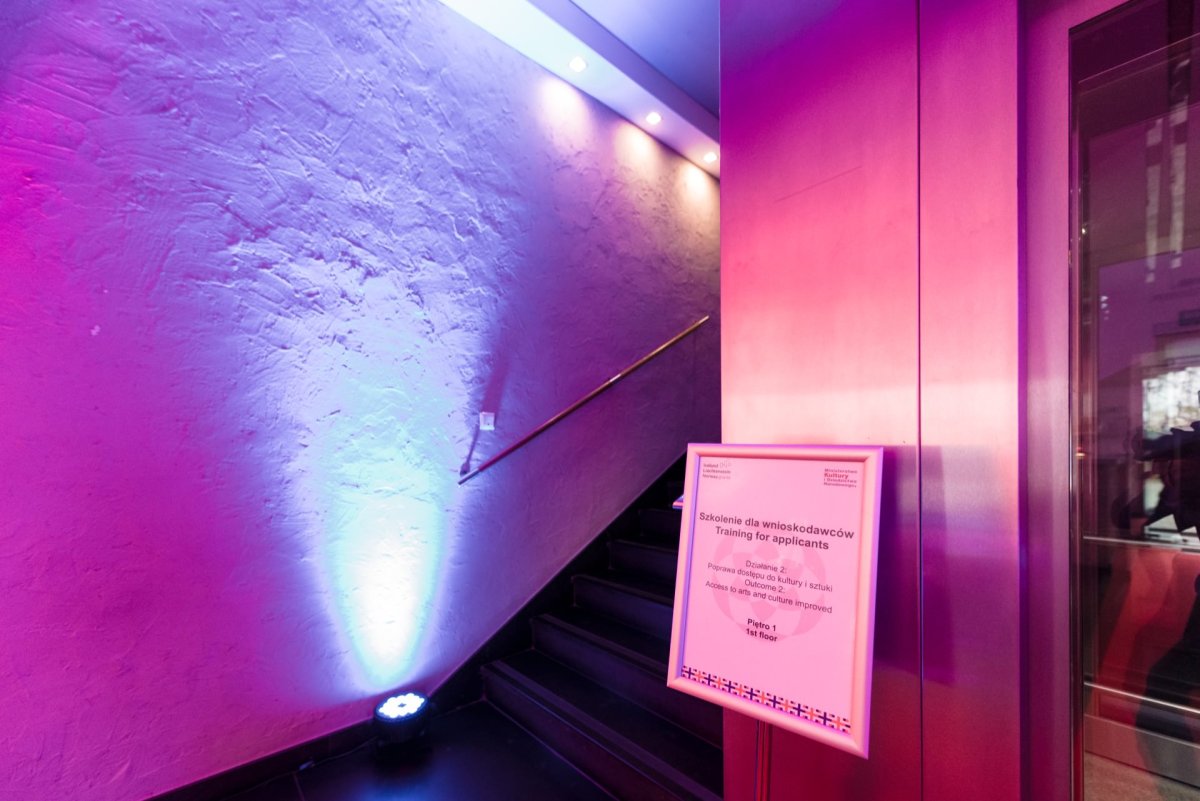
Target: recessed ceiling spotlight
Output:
[(653, 118), (577, 64), (710, 157)]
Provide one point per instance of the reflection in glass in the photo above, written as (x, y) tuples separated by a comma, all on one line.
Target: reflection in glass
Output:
[(1136, 222)]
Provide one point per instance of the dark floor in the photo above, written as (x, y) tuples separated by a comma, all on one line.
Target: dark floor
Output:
[(473, 753)]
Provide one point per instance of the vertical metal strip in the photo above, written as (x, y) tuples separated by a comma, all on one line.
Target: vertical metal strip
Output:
[(920, 466), (762, 750)]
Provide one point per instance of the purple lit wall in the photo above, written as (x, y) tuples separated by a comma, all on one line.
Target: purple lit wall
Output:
[(261, 266)]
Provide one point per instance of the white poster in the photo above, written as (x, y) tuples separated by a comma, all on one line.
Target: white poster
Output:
[(774, 602)]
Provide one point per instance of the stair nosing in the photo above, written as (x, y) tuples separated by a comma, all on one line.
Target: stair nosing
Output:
[(649, 595), (641, 760), (647, 545), (649, 667), (550, 746), (648, 663)]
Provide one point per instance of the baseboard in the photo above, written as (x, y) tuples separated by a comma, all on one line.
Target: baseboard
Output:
[(273, 766)]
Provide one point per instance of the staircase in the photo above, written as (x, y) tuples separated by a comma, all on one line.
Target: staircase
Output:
[(593, 686)]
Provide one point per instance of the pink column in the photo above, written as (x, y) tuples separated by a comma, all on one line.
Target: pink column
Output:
[(819, 309), (970, 400)]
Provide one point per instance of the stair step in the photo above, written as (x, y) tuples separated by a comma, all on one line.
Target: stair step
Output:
[(627, 750), (643, 559), (627, 661), (634, 601), (660, 525), (651, 651)]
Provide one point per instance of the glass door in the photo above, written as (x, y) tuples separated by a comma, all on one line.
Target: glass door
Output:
[(1136, 151)]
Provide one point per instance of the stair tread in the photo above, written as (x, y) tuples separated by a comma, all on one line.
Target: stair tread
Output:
[(660, 525), (652, 652), (643, 559), (662, 513), (639, 736), (645, 586), (644, 549), (649, 546), (628, 661)]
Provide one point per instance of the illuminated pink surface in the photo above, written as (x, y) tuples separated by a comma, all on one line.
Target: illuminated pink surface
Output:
[(819, 307), (796, 375), (260, 268), (970, 399)]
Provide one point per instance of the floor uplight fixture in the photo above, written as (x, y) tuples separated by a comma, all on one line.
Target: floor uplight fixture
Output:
[(400, 721)]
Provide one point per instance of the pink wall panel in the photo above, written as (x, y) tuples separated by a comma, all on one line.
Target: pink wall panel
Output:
[(970, 399), (819, 304), (791, 118), (261, 265)]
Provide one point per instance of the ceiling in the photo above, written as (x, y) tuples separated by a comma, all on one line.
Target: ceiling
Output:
[(679, 38), (654, 62)]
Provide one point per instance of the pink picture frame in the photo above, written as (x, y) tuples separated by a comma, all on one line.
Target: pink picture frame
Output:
[(775, 591)]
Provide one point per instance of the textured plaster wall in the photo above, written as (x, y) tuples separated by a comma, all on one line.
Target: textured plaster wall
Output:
[(260, 266)]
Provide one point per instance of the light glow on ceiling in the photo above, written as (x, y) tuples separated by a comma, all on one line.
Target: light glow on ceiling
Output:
[(566, 116), (553, 33), (637, 150)]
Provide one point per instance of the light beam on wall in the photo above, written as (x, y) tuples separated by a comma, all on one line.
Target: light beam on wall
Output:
[(376, 488), (383, 560), (557, 34)]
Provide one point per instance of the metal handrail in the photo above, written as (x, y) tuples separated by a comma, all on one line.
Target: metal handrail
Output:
[(574, 406)]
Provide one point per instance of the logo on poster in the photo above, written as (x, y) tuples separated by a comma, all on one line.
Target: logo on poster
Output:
[(716, 469), (841, 477)]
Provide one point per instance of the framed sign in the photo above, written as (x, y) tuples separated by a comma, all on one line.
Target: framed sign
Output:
[(775, 595)]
